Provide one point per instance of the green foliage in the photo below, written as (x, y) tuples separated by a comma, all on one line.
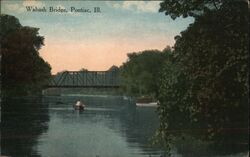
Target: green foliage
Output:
[(113, 68), (23, 70), (140, 73), (204, 84), (83, 69), (195, 8)]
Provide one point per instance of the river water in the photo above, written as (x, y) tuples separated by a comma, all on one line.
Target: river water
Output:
[(111, 126)]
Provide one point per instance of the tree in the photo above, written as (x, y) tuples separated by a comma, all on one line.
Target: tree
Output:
[(195, 8), (140, 72), (23, 70), (113, 68), (83, 69), (206, 80)]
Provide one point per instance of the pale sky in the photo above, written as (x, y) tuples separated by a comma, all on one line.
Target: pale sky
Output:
[(96, 41)]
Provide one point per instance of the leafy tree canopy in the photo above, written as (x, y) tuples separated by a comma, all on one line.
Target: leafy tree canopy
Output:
[(23, 70), (140, 72), (83, 69), (113, 68), (185, 8), (204, 84)]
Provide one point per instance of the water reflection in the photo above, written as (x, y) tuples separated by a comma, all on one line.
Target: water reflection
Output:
[(109, 127), (139, 125), (23, 120), (193, 140)]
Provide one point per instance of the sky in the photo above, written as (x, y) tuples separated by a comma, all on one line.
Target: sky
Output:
[(96, 41)]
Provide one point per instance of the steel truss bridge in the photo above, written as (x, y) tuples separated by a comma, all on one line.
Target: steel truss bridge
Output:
[(85, 79)]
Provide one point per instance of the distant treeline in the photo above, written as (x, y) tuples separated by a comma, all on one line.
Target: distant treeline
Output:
[(140, 75), (23, 71)]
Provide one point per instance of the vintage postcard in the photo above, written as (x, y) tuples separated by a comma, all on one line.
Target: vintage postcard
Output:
[(124, 78)]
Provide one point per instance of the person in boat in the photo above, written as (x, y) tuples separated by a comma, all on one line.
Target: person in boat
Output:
[(79, 105)]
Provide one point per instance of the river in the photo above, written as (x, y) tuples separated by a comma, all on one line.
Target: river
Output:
[(111, 126), (49, 126)]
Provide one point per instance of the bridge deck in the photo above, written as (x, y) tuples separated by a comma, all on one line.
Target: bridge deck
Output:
[(85, 79)]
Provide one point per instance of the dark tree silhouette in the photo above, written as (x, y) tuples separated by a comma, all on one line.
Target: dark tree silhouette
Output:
[(23, 70), (204, 85)]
